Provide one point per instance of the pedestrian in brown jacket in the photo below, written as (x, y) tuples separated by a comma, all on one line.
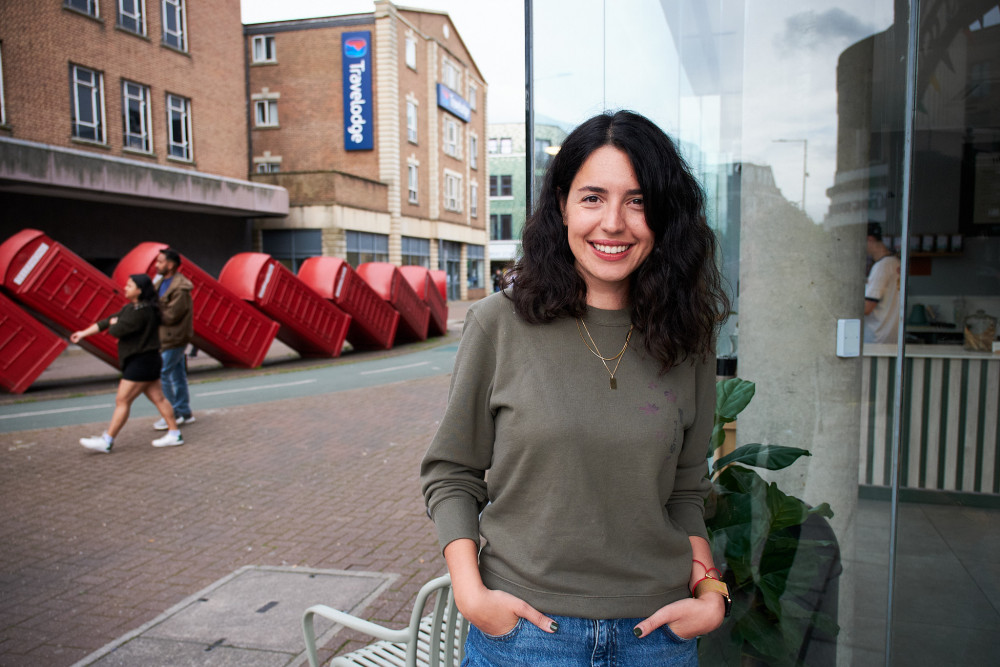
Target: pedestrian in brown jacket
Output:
[(176, 330)]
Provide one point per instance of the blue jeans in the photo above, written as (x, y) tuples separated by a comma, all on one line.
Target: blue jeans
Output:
[(173, 375), (580, 642)]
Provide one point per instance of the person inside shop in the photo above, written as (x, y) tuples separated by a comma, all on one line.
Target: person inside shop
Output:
[(575, 436), (176, 331), (136, 326), (881, 290), (497, 280)]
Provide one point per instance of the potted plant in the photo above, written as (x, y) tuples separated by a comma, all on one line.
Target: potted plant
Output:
[(778, 555)]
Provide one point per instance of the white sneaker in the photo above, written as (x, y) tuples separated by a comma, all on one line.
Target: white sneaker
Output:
[(161, 423), (96, 444), (169, 441)]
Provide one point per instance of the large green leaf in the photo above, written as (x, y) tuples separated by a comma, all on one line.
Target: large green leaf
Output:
[(731, 396), (769, 457)]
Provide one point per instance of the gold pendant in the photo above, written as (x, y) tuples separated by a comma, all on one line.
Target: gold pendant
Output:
[(614, 383)]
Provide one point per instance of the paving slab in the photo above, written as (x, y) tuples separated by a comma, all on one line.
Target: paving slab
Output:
[(251, 617)]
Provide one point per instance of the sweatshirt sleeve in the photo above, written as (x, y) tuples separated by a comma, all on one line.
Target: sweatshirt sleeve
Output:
[(686, 505), (129, 321), (453, 471)]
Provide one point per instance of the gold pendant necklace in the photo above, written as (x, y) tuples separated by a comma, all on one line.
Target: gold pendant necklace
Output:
[(592, 346)]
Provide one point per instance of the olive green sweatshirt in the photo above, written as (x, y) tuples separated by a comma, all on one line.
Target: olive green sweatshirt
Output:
[(587, 495)]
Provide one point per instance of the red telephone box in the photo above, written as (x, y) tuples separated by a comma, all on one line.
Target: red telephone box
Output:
[(225, 326), (310, 324), (388, 282), (420, 280), (65, 292), (373, 320), (27, 347)]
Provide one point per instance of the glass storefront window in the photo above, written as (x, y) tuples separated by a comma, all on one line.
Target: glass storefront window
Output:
[(292, 246), (806, 122), (475, 266), (365, 247), (416, 252)]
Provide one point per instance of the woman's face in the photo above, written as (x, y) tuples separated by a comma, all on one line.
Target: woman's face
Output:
[(131, 291), (606, 226)]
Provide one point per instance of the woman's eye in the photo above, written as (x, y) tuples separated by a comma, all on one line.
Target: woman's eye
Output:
[(637, 201), (591, 199)]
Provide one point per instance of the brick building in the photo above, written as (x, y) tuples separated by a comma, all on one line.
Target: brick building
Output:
[(395, 173), (125, 121)]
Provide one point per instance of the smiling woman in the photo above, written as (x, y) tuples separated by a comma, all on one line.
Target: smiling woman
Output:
[(617, 263)]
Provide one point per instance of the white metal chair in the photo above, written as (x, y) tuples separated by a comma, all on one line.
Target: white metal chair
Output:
[(435, 640)]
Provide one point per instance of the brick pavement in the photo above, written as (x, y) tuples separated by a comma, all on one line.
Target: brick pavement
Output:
[(93, 546)]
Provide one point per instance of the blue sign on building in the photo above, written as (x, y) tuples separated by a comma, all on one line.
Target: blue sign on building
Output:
[(359, 128), (451, 101)]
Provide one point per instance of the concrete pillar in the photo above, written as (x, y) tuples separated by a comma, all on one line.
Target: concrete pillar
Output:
[(797, 279)]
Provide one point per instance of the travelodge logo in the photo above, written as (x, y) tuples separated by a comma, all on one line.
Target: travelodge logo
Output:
[(359, 132), (355, 47)]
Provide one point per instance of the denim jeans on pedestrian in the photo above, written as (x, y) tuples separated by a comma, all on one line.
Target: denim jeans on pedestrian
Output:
[(580, 642), (173, 376)]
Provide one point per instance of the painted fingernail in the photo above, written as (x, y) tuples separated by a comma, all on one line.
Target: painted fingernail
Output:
[(554, 626), (637, 631)]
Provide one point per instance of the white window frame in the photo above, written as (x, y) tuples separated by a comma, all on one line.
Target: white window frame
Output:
[(450, 140), (411, 121), (508, 144), (492, 145), (143, 135), (137, 13), (265, 113), (92, 9), (264, 49), (450, 74), (177, 8), (452, 191), (411, 52), (473, 151), (179, 148), (268, 167), (473, 95), (94, 91), (413, 183), (474, 199)]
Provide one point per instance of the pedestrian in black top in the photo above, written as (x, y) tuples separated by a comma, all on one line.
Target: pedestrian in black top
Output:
[(136, 326)]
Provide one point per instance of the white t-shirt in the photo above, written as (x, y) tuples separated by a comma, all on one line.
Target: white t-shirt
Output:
[(883, 286)]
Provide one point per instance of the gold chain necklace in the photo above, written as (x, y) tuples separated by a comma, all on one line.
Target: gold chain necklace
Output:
[(592, 346)]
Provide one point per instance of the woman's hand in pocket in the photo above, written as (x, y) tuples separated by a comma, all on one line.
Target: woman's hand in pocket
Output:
[(496, 613), (688, 618)]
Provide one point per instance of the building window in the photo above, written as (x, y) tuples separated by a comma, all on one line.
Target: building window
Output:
[(475, 266), (411, 52), (3, 104), (136, 121), (88, 104), (363, 247), (411, 172), (473, 95), (266, 113), (474, 200), (452, 191), (502, 186), (492, 146), (263, 49), (473, 151), (501, 226), (179, 126), (174, 24), (132, 16), (506, 145), (291, 247), (85, 6), (268, 167), (416, 252), (411, 121), (449, 75), (451, 137)]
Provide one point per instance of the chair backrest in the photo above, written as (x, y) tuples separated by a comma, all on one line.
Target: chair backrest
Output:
[(447, 631)]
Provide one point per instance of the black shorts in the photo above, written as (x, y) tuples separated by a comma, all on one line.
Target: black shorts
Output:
[(142, 367)]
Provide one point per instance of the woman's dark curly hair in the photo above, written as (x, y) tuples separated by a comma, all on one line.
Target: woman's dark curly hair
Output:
[(676, 294)]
